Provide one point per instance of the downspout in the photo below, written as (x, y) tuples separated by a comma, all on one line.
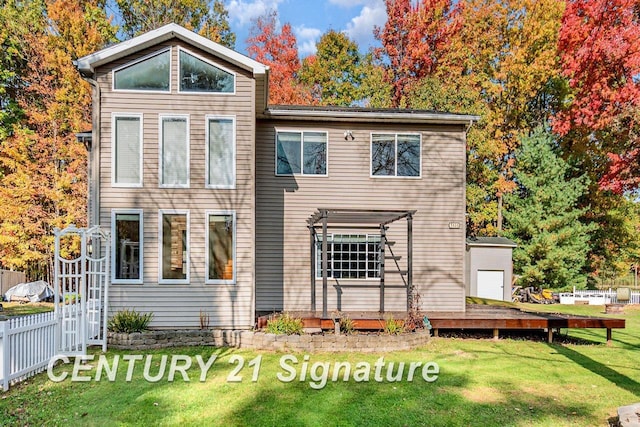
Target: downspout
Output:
[(93, 175)]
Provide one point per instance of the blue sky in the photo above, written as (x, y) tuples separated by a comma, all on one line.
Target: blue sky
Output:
[(310, 19)]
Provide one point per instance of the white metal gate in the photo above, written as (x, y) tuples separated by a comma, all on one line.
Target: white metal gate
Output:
[(81, 287)]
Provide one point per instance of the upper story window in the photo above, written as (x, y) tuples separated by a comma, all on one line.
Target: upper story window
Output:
[(301, 153), (174, 151), (221, 152), (198, 75), (151, 73), (395, 155), (126, 150)]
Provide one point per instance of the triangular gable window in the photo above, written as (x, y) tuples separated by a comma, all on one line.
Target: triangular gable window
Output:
[(197, 75), (150, 74)]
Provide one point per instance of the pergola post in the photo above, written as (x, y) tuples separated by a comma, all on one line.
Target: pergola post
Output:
[(325, 263), (383, 242), (312, 247), (410, 262)]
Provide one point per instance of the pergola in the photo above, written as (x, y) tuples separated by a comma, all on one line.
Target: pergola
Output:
[(358, 219)]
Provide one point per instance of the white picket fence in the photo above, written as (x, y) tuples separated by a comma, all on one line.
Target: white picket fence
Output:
[(27, 343), (597, 297)]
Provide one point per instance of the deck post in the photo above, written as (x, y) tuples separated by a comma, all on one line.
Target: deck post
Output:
[(383, 242), (608, 336), (410, 263), (312, 247), (325, 262), (549, 335), (496, 334)]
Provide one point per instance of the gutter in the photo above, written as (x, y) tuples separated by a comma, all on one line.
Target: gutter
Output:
[(93, 175)]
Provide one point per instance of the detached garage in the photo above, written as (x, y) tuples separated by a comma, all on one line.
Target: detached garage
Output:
[(489, 267)]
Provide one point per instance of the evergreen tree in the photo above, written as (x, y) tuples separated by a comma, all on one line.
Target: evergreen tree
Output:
[(543, 218)]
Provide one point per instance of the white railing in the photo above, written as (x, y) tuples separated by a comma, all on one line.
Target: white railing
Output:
[(27, 343), (597, 297)]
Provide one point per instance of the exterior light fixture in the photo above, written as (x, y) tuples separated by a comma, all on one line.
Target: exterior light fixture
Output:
[(348, 135)]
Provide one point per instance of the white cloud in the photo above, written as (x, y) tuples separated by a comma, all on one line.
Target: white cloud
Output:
[(360, 28), (307, 39), (242, 12)]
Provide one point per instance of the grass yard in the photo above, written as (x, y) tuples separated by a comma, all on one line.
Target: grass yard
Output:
[(12, 309), (481, 383)]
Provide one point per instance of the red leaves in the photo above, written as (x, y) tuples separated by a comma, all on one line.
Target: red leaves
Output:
[(414, 39), (279, 51)]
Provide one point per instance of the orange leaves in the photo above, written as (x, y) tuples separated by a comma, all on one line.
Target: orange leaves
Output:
[(279, 51)]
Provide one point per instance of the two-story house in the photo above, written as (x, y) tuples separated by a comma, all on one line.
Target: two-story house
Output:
[(221, 204)]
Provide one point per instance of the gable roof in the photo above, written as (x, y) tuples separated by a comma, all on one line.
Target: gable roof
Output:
[(87, 64)]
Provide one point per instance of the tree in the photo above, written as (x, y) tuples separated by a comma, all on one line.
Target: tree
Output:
[(43, 184), (599, 47), (140, 16), (279, 51), (504, 56), (414, 39), (335, 72), (544, 219)]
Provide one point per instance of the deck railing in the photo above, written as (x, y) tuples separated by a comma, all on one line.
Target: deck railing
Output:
[(27, 343)]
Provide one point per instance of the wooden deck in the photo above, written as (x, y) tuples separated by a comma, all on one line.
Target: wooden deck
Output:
[(476, 317)]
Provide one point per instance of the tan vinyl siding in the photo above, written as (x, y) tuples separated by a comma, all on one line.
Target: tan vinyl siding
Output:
[(179, 306), (284, 203)]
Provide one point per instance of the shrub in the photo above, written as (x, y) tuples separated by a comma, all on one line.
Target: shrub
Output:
[(393, 326), (128, 321), (284, 324), (347, 325)]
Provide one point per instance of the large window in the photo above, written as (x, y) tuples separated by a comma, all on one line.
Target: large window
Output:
[(174, 151), (127, 150), (350, 256), (395, 154), (221, 241), (198, 75), (126, 226), (221, 152), (174, 247), (151, 73), (301, 153)]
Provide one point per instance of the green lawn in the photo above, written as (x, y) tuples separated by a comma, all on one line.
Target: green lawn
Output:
[(510, 382), (12, 309)]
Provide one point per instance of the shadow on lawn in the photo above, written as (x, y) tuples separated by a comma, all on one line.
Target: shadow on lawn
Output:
[(451, 401), (598, 368)]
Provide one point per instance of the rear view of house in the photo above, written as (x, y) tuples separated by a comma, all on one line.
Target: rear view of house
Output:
[(221, 204)]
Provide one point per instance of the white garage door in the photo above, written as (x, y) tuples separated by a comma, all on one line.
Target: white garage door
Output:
[(491, 284)]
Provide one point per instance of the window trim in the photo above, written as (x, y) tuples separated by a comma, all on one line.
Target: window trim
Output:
[(161, 117), (208, 281), (161, 214), (395, 175), (114, 117), (144, 58), (208, 185), (200, 57), (302, 132), (140, 280), (330, 268)]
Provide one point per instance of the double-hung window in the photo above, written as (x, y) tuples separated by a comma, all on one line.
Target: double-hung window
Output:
[(126, 151), (221, 152), (174, 247), (221, 247), (127, 253), (174, 151), (350, 256), (301, 153), (395, 155)]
